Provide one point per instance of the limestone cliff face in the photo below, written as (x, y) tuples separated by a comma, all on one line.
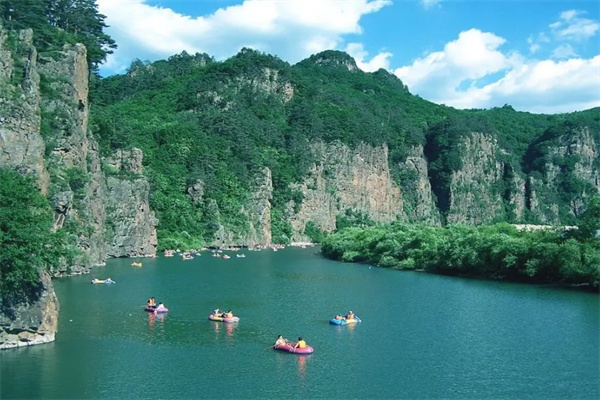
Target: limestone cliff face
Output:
[(21, 143), (132, 223), (575, 158), (343, 178), (44, 132), (475, 194), (260, 210), (488, 188), (255, 214), (77, 183), (30, 324), (419, 205)]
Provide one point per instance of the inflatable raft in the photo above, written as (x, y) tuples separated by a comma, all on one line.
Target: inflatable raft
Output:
[(102, 281), (344, 321), (213, 317), (290, 348), (156, 310)]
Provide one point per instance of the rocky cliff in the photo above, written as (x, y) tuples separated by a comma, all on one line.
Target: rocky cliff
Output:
[(44, 114), (132, 225), (21, 143), (569, 174), (30, 324), (346, 179), (488, 188)]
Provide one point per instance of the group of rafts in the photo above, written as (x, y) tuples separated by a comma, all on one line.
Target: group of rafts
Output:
[(282, 344), (300, 346)]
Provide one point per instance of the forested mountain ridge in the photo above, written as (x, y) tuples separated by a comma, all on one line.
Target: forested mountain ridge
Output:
[(280, 152)]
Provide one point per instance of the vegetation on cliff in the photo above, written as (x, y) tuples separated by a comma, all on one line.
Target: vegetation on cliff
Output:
[(497, 251), (221, 123), (28, 242), (56, 22)]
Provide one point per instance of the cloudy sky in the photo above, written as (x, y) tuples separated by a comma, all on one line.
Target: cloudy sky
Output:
[(541, 56)]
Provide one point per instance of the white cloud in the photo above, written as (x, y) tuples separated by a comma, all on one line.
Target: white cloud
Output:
[(535, 43), (472, 72), (357, 51), (571, 26), (472, 56), (564, 51), (153, 32), (430, 3)]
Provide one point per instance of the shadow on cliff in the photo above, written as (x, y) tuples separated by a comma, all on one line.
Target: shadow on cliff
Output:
[(28, 295)]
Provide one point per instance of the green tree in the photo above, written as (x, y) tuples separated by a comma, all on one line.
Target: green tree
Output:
[(27, 243), (55, 22), (589, 222)]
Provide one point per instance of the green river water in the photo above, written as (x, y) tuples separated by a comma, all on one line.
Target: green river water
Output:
[(422, 336)]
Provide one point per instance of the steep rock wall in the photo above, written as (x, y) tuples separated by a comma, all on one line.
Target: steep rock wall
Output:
[(572, 158), (21, 144), (343, 178), (77, 182), (419, 205), (132, 224), (475, 194), (44, 131), (30, 324)]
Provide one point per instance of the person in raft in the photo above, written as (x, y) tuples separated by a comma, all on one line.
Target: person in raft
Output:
[(216, 313), (151, 302), (228, 314), (350, 315), (280, 341), (301, 344), (339, 317), (160, 306)]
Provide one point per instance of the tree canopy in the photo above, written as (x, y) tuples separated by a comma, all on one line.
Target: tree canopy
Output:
[(56, 22), (27, 241)]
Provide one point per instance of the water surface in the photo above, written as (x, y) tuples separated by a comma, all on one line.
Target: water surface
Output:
[(422, 336)]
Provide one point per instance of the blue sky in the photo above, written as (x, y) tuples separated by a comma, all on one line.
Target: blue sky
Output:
[(540, 56)]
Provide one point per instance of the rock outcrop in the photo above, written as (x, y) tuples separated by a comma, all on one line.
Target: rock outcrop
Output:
[(44, 115), (21, 143), (133, 224), (419, 205), (572, 158), (343, 178), (28, 324), (475, 189)]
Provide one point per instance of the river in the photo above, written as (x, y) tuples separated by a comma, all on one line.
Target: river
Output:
[(421, 336)]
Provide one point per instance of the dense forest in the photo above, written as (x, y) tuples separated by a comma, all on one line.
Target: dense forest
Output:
[(500, 251), (218, 125), (220, 122)]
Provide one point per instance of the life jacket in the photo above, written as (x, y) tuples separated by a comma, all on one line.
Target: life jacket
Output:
[(302, 344)]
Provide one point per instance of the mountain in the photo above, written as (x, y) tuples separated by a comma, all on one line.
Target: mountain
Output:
[(188, 152), (253, 150)]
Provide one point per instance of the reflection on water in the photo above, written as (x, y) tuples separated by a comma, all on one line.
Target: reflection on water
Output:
[(153, 318), (302, 365), (351, 327), (229, 328)]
